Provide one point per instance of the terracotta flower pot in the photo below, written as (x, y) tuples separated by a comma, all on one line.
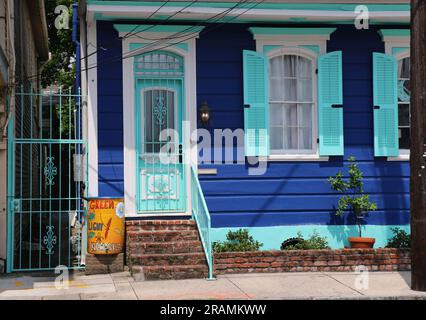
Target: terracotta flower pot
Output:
[(361, 243)]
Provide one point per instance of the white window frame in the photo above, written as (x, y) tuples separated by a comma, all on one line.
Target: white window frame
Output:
[(307, 54), (288, 42), (392, 42)]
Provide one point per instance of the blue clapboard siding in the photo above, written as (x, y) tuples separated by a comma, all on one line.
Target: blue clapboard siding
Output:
[(110, 112), (296, 193), (290, 193)]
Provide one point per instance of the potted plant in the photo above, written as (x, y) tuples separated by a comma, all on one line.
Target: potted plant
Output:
[(355, 200)]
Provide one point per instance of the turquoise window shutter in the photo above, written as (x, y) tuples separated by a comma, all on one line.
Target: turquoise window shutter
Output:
[(256, 104), (330, 104), (385, 105)]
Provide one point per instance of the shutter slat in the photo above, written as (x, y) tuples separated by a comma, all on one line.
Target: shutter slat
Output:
[(385, 97), (256, 117), (330, 92)]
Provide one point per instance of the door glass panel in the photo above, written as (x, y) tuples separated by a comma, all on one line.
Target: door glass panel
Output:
[(159, 115)]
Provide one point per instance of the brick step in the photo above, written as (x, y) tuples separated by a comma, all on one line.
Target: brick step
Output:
[(172, 272), (163, 235), (151, 225), (165, 247), (181, 259)]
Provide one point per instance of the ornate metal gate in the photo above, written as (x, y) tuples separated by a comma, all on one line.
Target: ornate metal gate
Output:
[(47, 166)]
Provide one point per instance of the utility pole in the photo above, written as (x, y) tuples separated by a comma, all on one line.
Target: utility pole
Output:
[(418, 145)]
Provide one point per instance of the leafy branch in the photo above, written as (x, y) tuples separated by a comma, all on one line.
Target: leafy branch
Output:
[(354, 198)]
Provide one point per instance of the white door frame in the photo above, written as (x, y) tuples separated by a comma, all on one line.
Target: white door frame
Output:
[(190, 114)]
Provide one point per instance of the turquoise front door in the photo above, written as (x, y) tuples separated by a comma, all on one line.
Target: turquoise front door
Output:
[(161, 183)]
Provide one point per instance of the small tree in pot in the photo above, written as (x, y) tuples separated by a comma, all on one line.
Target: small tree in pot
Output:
[(355, 200)]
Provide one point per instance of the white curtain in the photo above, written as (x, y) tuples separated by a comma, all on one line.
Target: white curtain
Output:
[(291, 103)]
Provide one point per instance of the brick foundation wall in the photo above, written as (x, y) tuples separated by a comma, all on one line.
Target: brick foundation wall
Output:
[(312, 260)]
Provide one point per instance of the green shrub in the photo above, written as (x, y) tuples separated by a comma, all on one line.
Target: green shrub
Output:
[(239, 240), (314, 242), (400, 239)]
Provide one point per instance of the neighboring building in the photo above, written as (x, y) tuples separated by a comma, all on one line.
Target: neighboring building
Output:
[(321, 89), (23, 47)]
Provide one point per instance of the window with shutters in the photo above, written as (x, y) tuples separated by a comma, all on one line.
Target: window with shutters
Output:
[(404, 105), (292, 96)]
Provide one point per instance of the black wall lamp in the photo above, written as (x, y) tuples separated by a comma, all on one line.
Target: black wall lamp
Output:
[(204, 112)]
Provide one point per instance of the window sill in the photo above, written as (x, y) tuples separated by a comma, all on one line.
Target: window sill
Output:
[(280, 157), (401, 157)]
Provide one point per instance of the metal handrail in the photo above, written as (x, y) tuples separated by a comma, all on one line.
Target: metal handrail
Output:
[(201, 215)]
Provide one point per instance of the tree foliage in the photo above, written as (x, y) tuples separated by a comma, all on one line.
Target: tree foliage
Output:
[(60, 69), (353, 198)]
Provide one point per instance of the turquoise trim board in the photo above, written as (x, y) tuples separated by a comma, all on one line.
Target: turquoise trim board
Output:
[(272, 237), (134, 46), (293, 31), (289, 6), (394, 32), (133, 28), (398, 50), (269, 48), (296, 20)]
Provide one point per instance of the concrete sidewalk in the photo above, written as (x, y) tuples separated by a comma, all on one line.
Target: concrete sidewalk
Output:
[(382, 285)]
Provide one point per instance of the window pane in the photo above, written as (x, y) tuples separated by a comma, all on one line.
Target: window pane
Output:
[(403, 115), (290, 90), (290, 66), (290, 138), (276, 67), (304, 68), (304, 90), (305, 138), (290, 115), (276, 91), (276, 138), (404, 68), (404, 138), (305, 119), (404, 90), (276, 115)]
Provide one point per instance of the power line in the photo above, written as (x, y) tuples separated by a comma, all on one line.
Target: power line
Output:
[(131, 33), (134, 52), (137, 51)]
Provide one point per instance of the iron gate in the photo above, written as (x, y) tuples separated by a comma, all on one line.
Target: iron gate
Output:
[(48, 173)]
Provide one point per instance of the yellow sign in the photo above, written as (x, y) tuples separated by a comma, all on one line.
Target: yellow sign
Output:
[(105, 226)]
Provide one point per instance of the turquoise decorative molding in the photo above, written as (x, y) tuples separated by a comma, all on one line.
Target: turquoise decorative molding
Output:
[(283, 6), (183, 46), (397, 50), (292, 31), (134, 28), (313, 48), (394, 32)]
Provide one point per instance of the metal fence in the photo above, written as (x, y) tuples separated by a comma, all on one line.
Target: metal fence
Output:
[(48, 174)]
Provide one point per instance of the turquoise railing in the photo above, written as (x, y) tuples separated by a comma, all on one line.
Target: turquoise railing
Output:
[(201, 215)]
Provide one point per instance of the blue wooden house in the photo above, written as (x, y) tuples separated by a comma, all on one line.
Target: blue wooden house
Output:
[(302, 86)]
